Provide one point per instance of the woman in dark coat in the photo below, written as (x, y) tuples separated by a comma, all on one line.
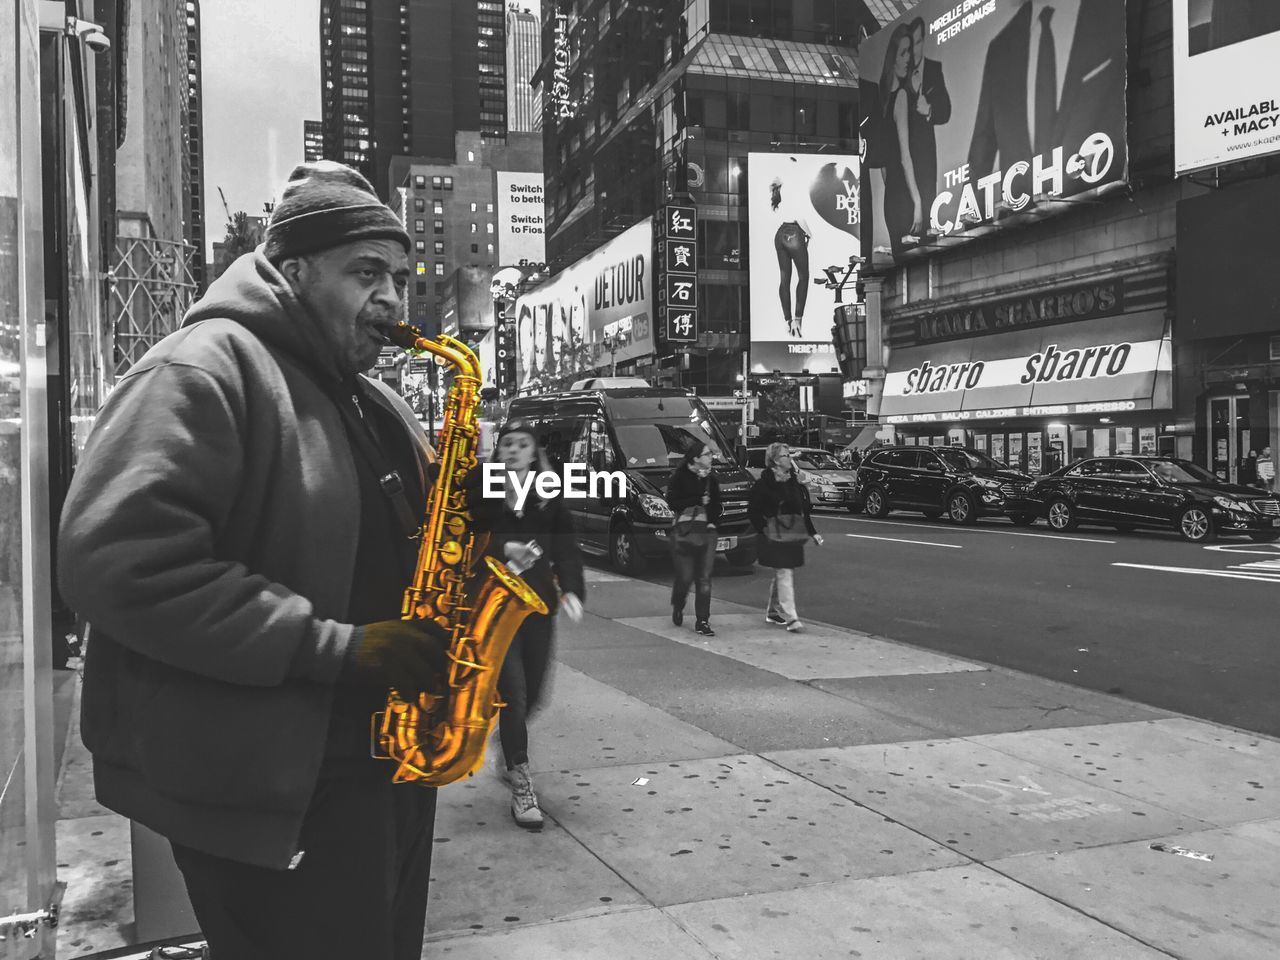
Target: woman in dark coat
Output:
[(694, 490), (537, 541), (780, 511)]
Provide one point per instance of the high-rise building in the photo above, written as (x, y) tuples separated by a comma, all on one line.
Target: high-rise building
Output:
[(312, 140), (400, 78), (524, 107), (193, 195), (657, 101)]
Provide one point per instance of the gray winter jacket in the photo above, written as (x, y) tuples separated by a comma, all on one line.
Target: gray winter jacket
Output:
[(210, 537)]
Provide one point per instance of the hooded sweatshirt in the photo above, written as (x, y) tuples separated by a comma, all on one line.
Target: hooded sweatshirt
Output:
[(210, 537)]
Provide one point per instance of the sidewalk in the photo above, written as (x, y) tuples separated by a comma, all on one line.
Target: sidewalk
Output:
[(819, 795)]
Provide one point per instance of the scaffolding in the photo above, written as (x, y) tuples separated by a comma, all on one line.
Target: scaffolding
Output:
[(152, 286)]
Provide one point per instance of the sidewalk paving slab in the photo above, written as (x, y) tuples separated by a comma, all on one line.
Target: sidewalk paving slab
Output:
[(984, 701), (983, 802), (964, 912), (1225, 909), (704, 829), (630, 935), (1221, 783), (488, 874), (819, 651), (591, 724), (750, 707), (94, 863)]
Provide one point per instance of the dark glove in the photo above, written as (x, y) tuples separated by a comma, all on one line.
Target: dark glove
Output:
[(410, 655)]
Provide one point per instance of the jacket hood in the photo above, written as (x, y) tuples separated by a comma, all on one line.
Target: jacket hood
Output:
[(256, 295)]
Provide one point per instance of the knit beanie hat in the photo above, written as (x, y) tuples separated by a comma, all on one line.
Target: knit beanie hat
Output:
[(517, 425), (325, 205)]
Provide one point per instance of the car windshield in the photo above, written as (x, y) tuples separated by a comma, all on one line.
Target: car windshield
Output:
[(816, 460), (1180, 471), (662, 444), (960, 459)]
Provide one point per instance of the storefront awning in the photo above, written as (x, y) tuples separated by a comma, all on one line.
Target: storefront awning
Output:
[(1108, 365)]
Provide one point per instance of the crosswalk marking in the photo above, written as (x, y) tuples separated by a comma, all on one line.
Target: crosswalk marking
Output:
[(1257, 578)]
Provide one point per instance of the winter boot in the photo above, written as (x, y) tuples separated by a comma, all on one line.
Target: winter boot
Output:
[(524, 802)]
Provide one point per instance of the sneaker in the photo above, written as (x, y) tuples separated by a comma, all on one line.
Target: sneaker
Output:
[(524, 802), (795, 626), (774, 618), (677, 616), (704, 629)]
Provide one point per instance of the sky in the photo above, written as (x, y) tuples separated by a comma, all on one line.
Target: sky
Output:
[(261, 73)]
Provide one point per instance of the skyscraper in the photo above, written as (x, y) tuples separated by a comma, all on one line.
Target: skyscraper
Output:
[(399, 78), (312, 140), (193, 194), (524, 111)]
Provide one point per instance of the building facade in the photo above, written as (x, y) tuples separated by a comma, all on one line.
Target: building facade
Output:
[(194, 192), (649, 103), (400, 78), (1135, 321), (450, 211), (312, 141), (524, 106)]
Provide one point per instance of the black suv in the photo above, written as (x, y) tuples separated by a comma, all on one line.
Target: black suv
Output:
[(643, 432), (961, 483)]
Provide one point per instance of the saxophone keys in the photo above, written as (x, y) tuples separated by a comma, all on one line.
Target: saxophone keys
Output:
[(451, 552)]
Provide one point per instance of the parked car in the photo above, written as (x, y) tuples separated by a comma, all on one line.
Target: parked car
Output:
[(1159, 492), (642, 431), (829, 483), (963, 484)]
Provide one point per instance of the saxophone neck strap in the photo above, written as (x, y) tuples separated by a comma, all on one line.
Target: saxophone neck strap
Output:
[(364, 436)]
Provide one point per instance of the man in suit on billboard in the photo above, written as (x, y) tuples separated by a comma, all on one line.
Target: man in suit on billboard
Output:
[(1054, 76)]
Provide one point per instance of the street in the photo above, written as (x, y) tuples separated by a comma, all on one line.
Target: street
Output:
[(1144, 616)]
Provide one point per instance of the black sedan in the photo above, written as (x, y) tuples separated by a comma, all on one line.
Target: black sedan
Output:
[(963, 484), (1158, 492)]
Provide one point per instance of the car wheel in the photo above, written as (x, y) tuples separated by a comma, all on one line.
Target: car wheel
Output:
[(932, 514), (1195, 524), (1062, 516), (961, 509), (877, 504), (1022, 519), (1264, 537), (622, 551)]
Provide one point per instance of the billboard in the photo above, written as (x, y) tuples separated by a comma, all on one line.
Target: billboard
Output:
[(603, 302), (981, 115), (804, 218), (1226, 87), (521, 218)]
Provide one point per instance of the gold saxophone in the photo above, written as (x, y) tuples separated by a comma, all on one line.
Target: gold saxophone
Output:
[(441, 737)]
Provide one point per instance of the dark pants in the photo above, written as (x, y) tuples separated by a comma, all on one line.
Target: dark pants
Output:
[(360, 889), (789, 242), (694, 568), (521, 683)]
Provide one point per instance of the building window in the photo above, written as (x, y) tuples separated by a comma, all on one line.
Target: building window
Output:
[(419, 246), (419, 205), (488, 208), (439, 269), (475, 248), (422, 268), (475, 228), (490, 246), (419, 181), (419, 226), (473, 208), (488, 228), (437, 207), (435, 183), (439, 246), (421, 288), (438, 226), (448, 183)]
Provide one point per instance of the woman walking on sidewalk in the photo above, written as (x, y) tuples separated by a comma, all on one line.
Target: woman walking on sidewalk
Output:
[(693, 493), (537, 541), (779, 509)]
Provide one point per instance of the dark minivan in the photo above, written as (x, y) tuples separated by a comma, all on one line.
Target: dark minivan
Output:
[(644, 432), (963, 484)]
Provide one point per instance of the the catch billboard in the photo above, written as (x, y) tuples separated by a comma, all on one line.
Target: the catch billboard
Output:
[(984, 114), (522, 232), (1226, 81), (804, 216), (604, 301)]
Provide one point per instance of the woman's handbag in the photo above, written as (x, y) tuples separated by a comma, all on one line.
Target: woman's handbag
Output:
[(690, 532), (787, 528)]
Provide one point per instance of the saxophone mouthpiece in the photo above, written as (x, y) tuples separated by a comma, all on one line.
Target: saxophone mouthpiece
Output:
[(406, 337)]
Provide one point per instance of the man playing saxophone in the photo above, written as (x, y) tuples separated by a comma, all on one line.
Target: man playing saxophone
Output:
[(238, 535)]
